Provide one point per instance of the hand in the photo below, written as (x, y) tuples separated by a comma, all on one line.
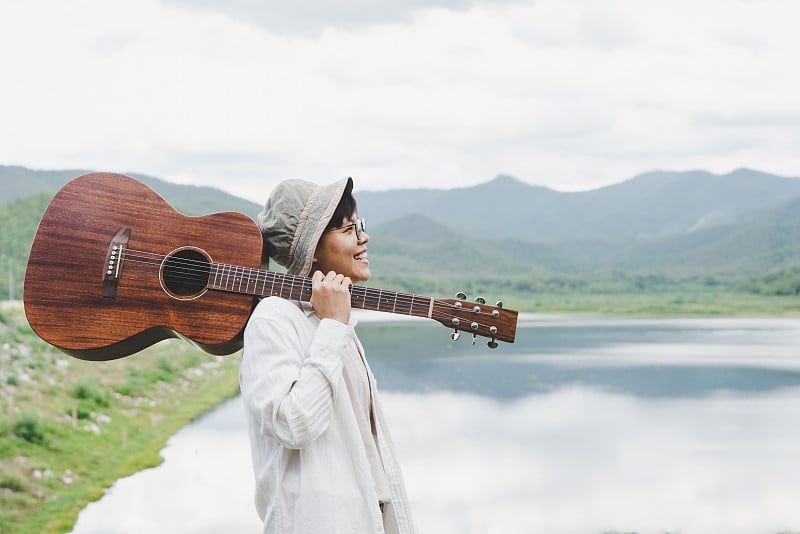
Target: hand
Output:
[(330, 296)]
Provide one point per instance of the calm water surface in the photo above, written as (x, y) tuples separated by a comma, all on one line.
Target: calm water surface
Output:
[(581, 426)]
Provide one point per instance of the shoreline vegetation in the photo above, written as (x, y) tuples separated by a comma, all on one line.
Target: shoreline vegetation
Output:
[(70, 428)]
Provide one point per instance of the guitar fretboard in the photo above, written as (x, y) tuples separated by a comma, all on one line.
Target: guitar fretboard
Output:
[(258, 282)]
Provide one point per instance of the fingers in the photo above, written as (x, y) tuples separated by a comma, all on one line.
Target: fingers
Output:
[(330, 295), (331, 280)]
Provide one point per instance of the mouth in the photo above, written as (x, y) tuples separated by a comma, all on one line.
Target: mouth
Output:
[(361, 257)]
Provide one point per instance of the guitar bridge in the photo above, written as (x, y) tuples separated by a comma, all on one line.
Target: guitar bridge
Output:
[(113, 265)]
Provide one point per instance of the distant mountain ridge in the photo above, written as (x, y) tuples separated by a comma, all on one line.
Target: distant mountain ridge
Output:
[(649, 206), (683, 223)]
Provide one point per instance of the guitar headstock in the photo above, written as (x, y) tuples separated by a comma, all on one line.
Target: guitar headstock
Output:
[(477, 318)]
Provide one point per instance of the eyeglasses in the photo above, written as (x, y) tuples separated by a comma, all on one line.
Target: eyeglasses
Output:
[(360, 225)]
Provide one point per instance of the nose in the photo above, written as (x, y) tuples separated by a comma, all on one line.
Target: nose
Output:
[(363, 237)]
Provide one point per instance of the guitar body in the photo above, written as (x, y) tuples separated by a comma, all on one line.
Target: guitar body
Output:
[(83, 298)]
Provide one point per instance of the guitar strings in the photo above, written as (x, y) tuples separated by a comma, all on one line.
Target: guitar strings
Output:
[(187, 266), (202, 274), (199, 271)]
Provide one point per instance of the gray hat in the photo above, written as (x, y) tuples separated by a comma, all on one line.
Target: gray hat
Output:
[(294, 218)]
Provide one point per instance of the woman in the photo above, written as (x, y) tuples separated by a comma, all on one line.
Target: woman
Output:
[(322, 455)]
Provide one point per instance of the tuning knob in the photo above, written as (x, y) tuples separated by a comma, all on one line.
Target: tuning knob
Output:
[(492, 344), (499, 304), (461, 295), (455, 335), (480, 300)]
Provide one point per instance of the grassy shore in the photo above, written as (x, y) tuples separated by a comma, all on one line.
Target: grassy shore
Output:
[(666, 304), (69, 428)]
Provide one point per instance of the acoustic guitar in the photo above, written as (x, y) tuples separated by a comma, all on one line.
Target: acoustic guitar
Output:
[(114, 269)]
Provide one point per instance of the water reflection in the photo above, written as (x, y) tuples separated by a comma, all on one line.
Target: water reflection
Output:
[(649, 358), (582, 426), (584, 461)]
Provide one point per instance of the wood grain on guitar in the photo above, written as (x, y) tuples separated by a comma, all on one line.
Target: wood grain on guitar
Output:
[(114, 268)]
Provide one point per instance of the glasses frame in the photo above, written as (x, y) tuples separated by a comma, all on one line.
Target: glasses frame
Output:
[(360, 224)]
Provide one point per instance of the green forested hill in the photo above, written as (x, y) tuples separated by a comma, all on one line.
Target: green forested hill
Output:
[(18, 222), (19, 182)]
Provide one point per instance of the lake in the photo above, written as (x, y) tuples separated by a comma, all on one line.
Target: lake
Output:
[(583, 425)]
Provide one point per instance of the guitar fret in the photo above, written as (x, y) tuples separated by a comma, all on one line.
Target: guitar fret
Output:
[(227, 275), (422, 308), (357, 297), (264, 285), (403, 306)]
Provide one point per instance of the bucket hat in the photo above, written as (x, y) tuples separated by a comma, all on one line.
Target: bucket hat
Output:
[(294, 217)]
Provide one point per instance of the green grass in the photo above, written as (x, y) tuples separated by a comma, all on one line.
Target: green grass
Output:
[(677, 304), (672, 304), (69, 428), (620, 293)]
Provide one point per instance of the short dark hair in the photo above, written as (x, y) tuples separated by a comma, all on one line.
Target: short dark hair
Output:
[(346, 208)]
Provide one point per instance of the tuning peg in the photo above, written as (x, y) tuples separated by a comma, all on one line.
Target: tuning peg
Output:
[(473, 339), (480, 300), (499, 304), (492, 344), (455, 335), (461, 295)]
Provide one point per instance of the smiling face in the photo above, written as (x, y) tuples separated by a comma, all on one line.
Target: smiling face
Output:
[(343, 250)]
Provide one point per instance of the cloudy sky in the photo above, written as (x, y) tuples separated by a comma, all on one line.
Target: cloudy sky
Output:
[(239, 94)]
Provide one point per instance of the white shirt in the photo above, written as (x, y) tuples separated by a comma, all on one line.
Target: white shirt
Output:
[(310, 458)]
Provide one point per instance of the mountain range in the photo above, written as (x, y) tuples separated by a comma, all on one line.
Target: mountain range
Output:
[(679, 223)]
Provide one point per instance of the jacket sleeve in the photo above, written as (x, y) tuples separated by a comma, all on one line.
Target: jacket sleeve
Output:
[(289, 376)]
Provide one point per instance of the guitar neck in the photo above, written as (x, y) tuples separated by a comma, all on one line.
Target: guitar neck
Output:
[(261, 283), (478, 318)]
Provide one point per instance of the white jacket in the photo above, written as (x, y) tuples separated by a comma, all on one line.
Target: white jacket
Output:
[(311, 469)]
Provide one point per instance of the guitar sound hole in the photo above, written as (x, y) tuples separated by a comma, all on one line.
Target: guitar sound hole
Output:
[(185, 273)]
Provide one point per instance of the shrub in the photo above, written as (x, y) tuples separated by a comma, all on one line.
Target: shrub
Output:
[(81, 412), (165, 364), (12, 483), (29, 428), (90, 389)]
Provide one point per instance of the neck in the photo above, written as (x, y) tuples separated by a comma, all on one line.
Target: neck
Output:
[(261, 283)]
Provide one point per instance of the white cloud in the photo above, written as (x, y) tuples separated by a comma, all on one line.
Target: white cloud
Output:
[(571, 94)]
